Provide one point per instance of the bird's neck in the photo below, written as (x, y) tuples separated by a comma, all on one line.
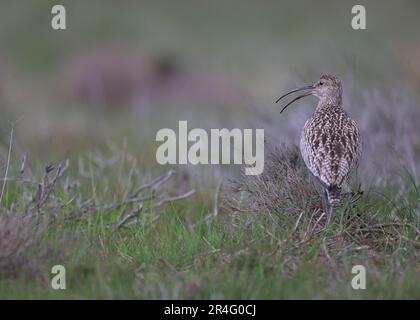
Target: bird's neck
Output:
[(333, 103)]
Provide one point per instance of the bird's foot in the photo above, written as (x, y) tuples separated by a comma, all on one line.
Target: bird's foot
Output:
[(354, 195)]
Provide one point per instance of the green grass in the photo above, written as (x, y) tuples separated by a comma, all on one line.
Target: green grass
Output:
[(168, 261), (179, 256)]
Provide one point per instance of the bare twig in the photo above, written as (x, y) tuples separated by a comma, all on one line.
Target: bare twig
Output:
[(332, 263), (137, 197), (128, 216), (153, 185), (208, 219), (297, 222), (172, 199), (46, 188), (161, 203)]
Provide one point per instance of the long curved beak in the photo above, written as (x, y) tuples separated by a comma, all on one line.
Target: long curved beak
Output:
[(297, 98)]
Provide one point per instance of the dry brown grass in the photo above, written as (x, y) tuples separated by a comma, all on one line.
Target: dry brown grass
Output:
[(290, 198), (284, 188), (19, 238)]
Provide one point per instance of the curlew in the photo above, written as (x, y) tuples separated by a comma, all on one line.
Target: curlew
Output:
[(330, 143)]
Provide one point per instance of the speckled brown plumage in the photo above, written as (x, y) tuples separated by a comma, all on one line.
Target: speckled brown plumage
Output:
[(330, 143)]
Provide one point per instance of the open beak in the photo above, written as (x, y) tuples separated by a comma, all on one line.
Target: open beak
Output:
[(297, 98)]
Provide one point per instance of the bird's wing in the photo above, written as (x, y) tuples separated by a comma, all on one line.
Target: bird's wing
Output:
[(331, 154)]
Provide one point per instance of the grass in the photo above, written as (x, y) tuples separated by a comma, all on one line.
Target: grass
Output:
[(252, 238), (177, 252)]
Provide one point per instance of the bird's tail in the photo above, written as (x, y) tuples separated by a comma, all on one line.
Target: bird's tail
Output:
[(334, 195)]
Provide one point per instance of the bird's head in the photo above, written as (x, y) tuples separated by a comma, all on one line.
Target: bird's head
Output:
[(326, 88)]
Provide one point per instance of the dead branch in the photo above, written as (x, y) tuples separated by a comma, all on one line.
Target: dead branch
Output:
[(128, 216), (208, 219), (145, 201), (153, 207), (153, 185), (46, 187), (137, 197)]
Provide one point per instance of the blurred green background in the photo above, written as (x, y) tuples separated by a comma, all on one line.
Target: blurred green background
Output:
[(127, 69)]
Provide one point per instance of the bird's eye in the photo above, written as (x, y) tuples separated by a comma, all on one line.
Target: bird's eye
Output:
[(321, 83)]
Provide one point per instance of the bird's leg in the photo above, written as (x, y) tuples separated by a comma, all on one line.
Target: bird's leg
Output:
[(325, 199), (329, 214), (328, 208), (353, 194)]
